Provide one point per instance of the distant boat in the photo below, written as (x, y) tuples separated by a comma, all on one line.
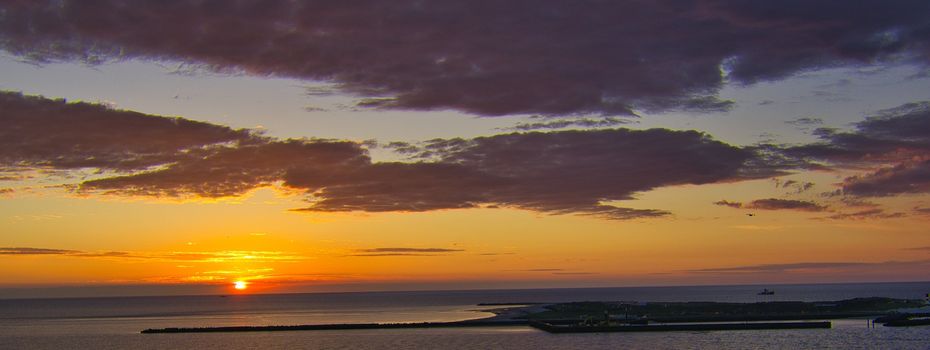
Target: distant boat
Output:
[(766, 292)]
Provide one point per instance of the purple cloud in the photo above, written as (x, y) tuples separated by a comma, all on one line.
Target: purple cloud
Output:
[(485, 57), (234, 170), (557, 173), (40, 132), (730, 204), (902, 178), (563, 172), (899, 136), (892, 135), (866, 214), (784, 204)]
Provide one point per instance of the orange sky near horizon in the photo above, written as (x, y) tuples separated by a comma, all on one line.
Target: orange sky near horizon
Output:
[(254, 238)]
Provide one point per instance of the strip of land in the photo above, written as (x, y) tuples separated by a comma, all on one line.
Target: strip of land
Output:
[(344, 326), (645, 317), (743, 326)]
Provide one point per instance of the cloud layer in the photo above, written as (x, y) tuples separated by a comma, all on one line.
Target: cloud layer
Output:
[(486, 57), (816, 267), (896, 141), (215, 256), (559, 172), (35, 251), (235, 169), (410, 250), (555, 172), (782, 204), (43, 133), (402, 251), (577, 172)]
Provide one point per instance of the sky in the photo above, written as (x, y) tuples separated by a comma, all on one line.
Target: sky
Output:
[(154, 148)]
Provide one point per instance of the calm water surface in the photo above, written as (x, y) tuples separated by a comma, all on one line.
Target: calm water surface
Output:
[(114, 323)]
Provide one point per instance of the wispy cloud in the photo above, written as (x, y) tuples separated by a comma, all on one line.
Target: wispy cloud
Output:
[(809, 266), (775, 204), (391, 254), (577, 123), (557, 271), (105, 255), (201, 257), (730, 204), (919, 248), (785, 204), (403, 251), (35, 251), (899, 136), (757, 227), (866, 214), (780, 267), (229, 255), (805, 121), (797, 186), (410, 250)]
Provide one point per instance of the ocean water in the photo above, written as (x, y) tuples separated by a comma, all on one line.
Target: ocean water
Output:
[(114, 323)]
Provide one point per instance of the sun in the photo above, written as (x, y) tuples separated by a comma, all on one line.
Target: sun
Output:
[(240, 285)]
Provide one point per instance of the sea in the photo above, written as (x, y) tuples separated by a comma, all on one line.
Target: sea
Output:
[(116, 322)]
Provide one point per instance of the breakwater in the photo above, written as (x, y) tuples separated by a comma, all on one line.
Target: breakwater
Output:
[(346, 326)]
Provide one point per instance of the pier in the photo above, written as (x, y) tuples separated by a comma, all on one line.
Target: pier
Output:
[(344, 326)]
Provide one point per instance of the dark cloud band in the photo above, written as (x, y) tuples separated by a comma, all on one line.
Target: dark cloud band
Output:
[(557, 172), (785, 204), (40, 132), (564, 172), (486, 57)]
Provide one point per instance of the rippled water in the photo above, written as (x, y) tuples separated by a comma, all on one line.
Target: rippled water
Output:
[(114, 323)]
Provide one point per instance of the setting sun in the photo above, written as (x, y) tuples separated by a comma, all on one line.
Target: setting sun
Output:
[(240, 285)]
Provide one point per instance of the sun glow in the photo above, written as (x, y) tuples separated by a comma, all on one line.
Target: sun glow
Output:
[(240, 285)]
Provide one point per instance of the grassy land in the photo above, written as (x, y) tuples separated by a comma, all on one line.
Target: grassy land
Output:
[(676, 310)]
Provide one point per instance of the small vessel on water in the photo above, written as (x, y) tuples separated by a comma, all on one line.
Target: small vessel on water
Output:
[(766, 292)]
